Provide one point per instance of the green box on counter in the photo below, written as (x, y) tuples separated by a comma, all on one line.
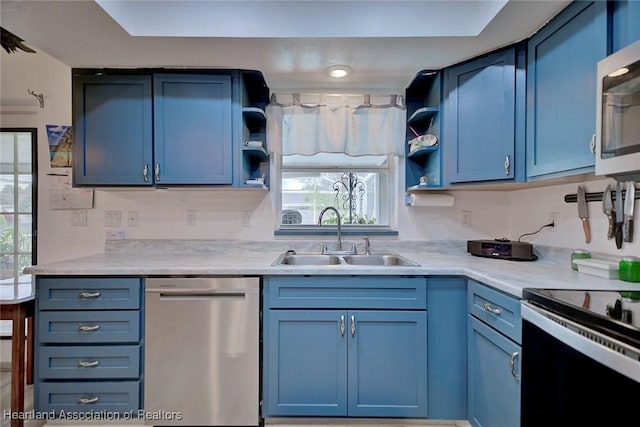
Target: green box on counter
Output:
[(630, 269)]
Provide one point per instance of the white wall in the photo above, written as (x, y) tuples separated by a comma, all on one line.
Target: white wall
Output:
[(221, 214), (528, 209)]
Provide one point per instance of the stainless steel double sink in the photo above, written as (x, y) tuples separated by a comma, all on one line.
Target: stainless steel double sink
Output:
[(305, 260)]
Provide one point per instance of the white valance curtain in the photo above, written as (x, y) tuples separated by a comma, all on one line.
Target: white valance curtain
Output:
[(356, 125)]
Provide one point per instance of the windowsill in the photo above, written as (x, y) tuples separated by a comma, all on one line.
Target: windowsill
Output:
[(328, 230)]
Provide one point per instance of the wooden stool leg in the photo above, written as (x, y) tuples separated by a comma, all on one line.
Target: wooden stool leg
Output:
[(30, 336), (17, 363)]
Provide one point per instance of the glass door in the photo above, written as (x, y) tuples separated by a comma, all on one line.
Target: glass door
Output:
[(18, 172)]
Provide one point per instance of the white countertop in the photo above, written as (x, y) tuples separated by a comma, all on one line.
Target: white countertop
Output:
[(254, 259)]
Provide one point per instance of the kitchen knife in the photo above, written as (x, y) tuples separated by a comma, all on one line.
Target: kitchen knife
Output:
[(583, 213), (619, 215), (607, 208), (627, 229)]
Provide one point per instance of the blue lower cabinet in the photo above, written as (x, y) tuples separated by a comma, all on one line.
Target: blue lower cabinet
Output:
[(447, 344), (494, 377), (307, 368), (339, 363), (89, 348), (83, 397), (89, 362), (387, 369)]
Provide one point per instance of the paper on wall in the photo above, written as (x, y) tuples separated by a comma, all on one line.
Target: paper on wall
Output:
[(62, 195)]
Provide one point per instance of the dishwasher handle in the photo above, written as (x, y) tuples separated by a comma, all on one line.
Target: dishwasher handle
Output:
[(190, 295)]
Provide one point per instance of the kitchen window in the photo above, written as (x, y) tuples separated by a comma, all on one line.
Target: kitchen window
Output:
[(336, 151)]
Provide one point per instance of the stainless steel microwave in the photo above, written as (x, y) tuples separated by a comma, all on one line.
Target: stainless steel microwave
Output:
[(618, 114)]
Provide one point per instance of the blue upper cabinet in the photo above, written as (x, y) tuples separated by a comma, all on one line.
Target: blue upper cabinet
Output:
[(561, 90), (112, 123), (625, 17), (480, 126), (147, 127), (192, 138)]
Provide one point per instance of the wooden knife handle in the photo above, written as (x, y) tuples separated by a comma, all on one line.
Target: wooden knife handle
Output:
[(587, 229), (627, 231), (612, 225)]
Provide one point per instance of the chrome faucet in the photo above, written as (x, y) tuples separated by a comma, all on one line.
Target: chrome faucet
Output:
[(337, 216)]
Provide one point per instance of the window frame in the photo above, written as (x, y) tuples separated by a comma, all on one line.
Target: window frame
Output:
[(390, 229)]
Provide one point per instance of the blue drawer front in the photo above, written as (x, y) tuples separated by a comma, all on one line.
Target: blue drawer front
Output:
[(89, 293), (347, 292), (496, 309), (89, 326), (89, 362), (123, 396)]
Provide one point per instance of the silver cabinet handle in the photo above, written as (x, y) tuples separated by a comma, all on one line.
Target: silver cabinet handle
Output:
[(157, 172), (353, 325), (492, 310), (342, 325), (87, 328), (512, 365), (507, 164), (89, 295), (88, 400), (145, 173), (592, 144), (85, 364)]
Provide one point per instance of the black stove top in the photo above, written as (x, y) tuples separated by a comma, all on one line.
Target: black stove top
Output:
[(616, 314)]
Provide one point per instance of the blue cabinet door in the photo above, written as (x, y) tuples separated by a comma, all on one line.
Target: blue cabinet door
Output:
[(447, 344), (494, 383), (307, 363), (387, 364), (561, 90), (192, 139), (112, 123), (480, 127), (625, 21)]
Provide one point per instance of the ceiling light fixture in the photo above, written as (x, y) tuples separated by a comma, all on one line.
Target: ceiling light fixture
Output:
[(339, 71)]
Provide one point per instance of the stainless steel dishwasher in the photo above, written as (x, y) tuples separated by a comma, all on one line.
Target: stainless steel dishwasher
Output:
[(201, 351)]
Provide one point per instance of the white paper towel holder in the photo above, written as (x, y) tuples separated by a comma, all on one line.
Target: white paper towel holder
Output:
[(429, 199)]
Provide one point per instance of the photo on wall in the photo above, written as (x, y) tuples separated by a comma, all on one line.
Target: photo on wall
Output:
[(60, 145)]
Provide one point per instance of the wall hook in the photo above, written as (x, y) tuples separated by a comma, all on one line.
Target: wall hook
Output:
[(37, 95)]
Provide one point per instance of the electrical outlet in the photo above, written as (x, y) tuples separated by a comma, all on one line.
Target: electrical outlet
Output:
[(115, 235), (465, 218), (132, 218), (112, 218), (553, 218), (79, 218), (191, 218)]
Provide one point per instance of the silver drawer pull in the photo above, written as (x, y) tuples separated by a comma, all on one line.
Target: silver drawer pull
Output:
[(88, 295), (512, 365), (342, 326), (88, 400), (85, 364), (492, 310), (87, 328)]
